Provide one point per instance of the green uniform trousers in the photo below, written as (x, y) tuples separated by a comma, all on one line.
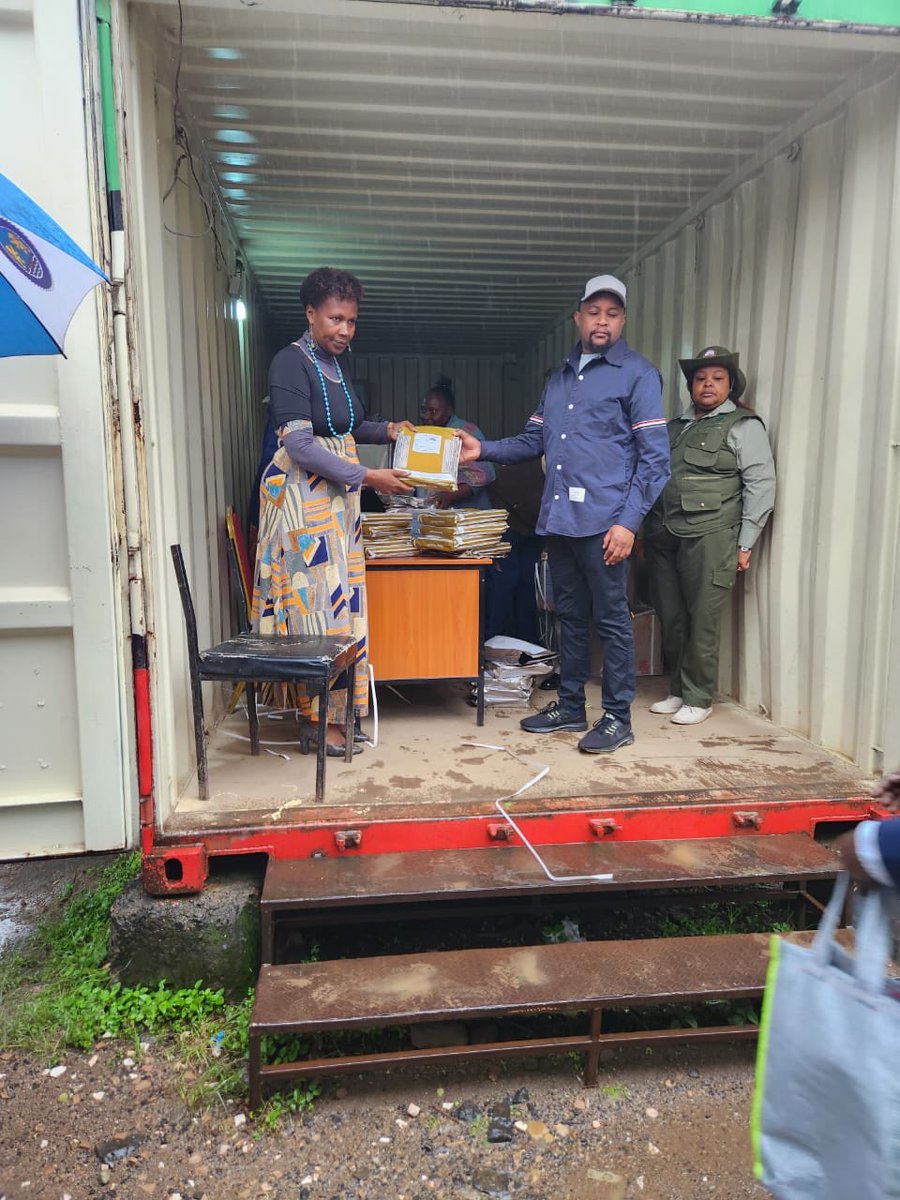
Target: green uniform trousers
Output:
[(692, 579)]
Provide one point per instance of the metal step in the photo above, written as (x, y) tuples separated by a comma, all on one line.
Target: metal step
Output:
[(459, 985), (304, 891)]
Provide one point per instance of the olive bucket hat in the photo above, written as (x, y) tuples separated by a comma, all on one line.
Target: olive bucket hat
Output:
[(716, 356)]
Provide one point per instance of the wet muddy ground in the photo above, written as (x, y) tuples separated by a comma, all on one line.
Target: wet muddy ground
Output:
[(663, 1125)]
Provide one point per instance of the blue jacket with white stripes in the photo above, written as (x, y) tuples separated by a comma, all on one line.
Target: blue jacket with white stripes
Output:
[(877, 846), (889, 845), (602, 432)]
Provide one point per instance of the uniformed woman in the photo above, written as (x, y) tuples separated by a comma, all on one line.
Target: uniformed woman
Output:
[(703, 528)]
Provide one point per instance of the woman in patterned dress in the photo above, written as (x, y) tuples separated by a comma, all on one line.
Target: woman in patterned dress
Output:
[(310, 565)]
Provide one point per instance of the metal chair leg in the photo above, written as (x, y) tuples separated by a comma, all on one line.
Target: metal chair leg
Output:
[(321, 747), (252, 717), (199, 734), (349, 722)]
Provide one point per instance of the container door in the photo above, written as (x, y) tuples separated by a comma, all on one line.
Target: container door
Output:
[(62, 779)]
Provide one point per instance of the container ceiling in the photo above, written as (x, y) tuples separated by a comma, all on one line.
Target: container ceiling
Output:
[(473, 167)]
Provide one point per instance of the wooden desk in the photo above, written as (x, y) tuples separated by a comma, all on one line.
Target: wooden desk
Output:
[(425, 620)]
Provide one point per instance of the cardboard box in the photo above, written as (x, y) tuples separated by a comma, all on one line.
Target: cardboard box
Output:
[(647, 643)]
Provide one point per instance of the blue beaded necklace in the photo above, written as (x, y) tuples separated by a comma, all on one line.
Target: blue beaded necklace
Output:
[(314, 353)]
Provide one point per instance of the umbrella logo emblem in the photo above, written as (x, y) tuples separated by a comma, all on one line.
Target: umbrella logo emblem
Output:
[(23, 255)]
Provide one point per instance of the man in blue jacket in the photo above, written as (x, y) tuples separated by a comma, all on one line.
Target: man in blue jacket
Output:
[(601, 429), (871, 852)]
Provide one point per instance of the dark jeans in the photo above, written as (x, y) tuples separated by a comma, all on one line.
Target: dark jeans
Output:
[(584, 588), (511, 602)]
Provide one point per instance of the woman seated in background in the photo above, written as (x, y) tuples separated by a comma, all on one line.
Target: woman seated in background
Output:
[(701, 531), (439, 408), (310, 565)]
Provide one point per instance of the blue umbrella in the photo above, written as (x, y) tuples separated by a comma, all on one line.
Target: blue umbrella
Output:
[(44, 276)]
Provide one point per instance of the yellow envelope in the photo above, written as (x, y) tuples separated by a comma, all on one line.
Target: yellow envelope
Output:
[(430, 453)]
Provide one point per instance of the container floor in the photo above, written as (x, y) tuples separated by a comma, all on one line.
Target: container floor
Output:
[(432, 760)]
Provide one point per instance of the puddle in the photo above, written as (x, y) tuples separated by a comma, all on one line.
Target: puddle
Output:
[(9, 930)]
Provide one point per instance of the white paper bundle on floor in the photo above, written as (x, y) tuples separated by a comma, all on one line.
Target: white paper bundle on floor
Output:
[(510, 649), (512, 686), (512, 669)]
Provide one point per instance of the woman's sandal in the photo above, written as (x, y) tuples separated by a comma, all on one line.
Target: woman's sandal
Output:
[(309, 744)]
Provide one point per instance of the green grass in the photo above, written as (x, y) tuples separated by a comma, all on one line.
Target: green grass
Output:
[(478, 1129), (721, 917), (56, 991)]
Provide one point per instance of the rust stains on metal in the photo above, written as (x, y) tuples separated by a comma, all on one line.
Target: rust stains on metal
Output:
[(460, 985), (603, 826), (511, 871), (747, 820)]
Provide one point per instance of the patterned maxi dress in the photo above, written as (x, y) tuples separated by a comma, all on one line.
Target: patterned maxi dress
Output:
[(310, 567)]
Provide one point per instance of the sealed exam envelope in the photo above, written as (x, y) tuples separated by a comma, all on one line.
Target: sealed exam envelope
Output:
[(430, 454)]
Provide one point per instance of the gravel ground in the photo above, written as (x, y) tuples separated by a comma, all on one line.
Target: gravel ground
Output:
[(668, 1124), (665, 1124)]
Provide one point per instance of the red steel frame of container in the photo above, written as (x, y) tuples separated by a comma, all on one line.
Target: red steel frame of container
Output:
[(178, 863)]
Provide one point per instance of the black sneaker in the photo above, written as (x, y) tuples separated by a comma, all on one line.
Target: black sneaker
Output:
[(608, 734), (552, 717)]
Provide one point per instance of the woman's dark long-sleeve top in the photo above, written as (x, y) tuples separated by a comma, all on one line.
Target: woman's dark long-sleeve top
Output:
[(299, 413)]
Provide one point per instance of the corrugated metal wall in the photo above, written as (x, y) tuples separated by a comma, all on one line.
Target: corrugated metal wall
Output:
[(486, 388), (203, 383), (798, 268)]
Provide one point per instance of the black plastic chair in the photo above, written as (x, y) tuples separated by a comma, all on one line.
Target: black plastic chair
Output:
[(252, 659)]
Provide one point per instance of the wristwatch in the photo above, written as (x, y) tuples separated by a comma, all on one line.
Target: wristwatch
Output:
[(744, 549)]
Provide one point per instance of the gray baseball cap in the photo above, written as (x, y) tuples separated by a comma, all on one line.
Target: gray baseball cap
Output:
[(604, 283)]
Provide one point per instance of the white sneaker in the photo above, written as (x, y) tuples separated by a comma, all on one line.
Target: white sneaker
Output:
[(670, 705), (689, 714)]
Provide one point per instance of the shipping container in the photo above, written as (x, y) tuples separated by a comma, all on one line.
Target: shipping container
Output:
[(473, 164)]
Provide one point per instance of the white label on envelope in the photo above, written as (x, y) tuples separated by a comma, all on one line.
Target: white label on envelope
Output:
[(576, 495), (426, 443)]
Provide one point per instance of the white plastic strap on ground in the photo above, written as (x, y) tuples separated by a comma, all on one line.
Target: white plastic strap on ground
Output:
[(242, 737), (498, 804)]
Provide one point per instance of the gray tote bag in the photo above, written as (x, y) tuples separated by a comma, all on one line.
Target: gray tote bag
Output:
[(826, 1113)]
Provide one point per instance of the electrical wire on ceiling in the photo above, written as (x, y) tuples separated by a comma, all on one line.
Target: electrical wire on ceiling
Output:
[(186, 156)]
